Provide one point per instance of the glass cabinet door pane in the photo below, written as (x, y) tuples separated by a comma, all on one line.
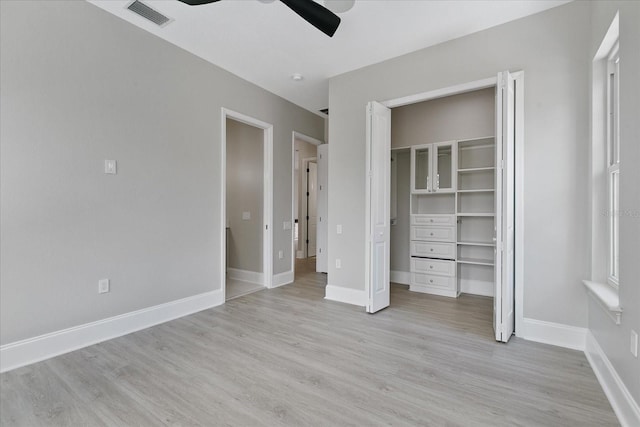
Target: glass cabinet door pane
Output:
[(444, 177), (422, 169)]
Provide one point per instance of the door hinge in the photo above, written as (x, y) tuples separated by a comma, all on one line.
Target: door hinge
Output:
[(307, 217), (266, 227), (307, 241), (307, 194), (308, 170)]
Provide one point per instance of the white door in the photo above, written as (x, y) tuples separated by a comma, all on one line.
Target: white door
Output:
[(312, 211), (503, 310), (378, 169), (322, 260)]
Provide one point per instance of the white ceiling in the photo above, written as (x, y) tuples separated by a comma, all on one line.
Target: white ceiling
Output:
[(267, 43)]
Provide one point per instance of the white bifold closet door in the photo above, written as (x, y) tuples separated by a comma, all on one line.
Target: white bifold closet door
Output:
[(378, 169), (503, 302)]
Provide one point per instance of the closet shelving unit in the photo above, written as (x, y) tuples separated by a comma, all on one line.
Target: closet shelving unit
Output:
[(452, 217)]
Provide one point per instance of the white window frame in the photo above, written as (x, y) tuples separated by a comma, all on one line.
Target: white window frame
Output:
[(613, 164)]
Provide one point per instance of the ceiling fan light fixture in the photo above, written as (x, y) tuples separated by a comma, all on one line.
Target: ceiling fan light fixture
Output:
[(339, 6)]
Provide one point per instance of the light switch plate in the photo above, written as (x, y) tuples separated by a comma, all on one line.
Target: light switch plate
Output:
[(110, 167), (103, 286), (286, 225), (338, 263), (280, 254), (339, 229), (634, 343), (246, 216)]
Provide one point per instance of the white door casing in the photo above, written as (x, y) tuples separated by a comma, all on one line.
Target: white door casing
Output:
[(504, 312), (322, 259), (312, 207), (377, 221)]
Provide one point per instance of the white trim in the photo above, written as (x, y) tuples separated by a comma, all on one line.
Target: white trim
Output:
[(267, 206), (246, 276), (346, 295), (32, 350), (401, 277), (441, 93), (302, 137), (558, 334), (607, 298), (282, 279), (621, 400), (518, 77)]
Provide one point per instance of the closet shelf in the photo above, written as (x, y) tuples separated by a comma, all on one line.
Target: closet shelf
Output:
[(468, 170), (475, 261), (480, 190), (475, 214), (470, 243)]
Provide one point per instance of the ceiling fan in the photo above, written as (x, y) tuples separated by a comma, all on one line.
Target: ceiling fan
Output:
[(314, 13)]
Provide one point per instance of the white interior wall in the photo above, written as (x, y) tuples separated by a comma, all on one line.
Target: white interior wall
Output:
[(85, 87)]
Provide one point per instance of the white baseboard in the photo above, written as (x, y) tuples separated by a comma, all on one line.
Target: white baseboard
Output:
[(554, 333), (246, 276), (401, 277), (32, 350), (281, 279), (623, 404), (346, 295)]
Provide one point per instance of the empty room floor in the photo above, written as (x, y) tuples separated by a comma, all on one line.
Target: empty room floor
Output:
[(288, 357), (237, 288)]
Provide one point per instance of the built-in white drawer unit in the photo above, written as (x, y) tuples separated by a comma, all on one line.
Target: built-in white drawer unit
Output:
[(433, 249), (437, 282), (440, 220), (433, 266), (437, 234)]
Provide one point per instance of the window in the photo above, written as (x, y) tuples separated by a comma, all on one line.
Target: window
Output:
[(613, 163)]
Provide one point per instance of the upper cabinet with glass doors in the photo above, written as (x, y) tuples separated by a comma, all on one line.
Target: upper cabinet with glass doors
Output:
[(433, 168)]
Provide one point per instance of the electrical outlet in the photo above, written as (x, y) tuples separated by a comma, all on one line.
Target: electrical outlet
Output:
[(338, 263), (110, 167), (339, 229), (246, 216), (103, 286), (280, 254), (634, 343)]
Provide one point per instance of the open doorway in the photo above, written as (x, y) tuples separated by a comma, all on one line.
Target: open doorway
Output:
[(307, 207), (247, 204), (457, 233)]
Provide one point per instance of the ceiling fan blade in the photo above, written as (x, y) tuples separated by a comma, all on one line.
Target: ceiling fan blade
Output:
[(315, 14), (197, 2)]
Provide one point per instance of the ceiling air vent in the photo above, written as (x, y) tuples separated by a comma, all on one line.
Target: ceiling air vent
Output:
[(148, 13)]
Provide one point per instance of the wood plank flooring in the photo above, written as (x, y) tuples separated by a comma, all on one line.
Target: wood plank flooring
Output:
[(288, 357)]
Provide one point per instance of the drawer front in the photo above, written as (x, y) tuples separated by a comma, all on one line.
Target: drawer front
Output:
[(439, 220), (431, 249), (440, 282), (438, 234), (433, 266)]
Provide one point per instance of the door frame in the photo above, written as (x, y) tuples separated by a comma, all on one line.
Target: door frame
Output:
[(302, 137), (519, 172), (267, 193)]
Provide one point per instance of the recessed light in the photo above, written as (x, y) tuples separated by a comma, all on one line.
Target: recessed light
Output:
[(297, 77)]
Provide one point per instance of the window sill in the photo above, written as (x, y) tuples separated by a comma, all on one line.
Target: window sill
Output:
[(607, 297)]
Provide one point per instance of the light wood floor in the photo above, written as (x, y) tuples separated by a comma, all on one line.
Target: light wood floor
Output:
[(237, 288), (288, 357)]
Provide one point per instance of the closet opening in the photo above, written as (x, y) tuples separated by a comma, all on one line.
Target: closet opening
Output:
[(450, 159)]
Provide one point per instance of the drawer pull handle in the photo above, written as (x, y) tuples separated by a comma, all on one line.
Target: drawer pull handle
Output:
[(431, 249), (430, 234), (431, 266), (431, 220), (430, 280)]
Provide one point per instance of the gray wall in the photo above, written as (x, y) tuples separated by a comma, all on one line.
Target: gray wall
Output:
[(399, 235), (614, 339), (465, 116), (551, 47), (245, 192), (80, 86)]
